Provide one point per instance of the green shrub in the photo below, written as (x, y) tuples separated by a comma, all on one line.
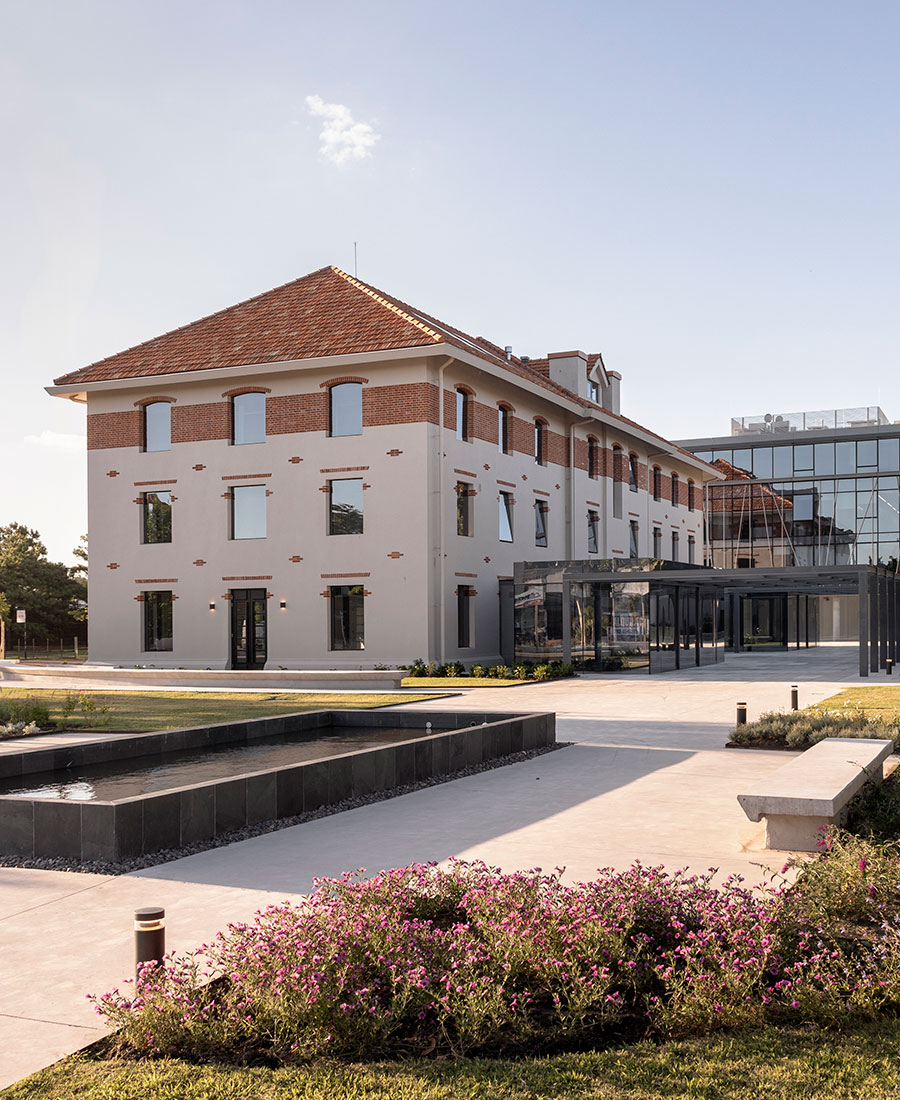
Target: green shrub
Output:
[(417, 668), (801, 729), (477, 671), (27, 710), (498, 672)]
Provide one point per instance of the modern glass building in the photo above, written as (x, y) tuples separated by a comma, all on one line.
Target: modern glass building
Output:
[(811, 489)]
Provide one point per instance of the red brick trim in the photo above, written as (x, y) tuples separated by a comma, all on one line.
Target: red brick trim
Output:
[(246, 389), (113, 565), (295, 558), (326, 576), (540, 492), (506, 405), (152, 400), (169, 481), (343, 469), (465, 473), (112, 473), (199, 466), (246, 578), (295, 460), (158, 580), (393, 453), (340, 381), (199, 561), (508, 484), (395, 554), (499, 578), (592, 502), (465, 574), (241, 477)]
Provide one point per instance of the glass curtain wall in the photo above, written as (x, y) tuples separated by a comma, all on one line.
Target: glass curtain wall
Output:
[(841, 505)]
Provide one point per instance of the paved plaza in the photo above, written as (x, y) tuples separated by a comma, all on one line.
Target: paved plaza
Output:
[(646, 777)]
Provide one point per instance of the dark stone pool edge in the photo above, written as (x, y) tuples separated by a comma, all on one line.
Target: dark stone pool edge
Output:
[(168, 855)]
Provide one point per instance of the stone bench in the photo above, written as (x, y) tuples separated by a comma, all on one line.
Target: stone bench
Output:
[(814, 789)]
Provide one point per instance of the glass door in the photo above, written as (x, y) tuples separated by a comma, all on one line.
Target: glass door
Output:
[(248, 627)]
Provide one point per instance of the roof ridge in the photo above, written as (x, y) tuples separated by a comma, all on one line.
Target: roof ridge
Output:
[(382, 301)]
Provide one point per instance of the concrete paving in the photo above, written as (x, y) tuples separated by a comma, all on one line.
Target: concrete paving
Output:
[(647, 778)]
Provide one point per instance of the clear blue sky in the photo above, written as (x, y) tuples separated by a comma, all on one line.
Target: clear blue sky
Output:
[(705, 192)]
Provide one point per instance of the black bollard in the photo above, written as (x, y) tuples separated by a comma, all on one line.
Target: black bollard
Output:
[(795, 697), (149, 936), (742, 714), (889, 666)]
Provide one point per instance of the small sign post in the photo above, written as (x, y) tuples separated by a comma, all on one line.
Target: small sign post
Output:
[(22, 618)]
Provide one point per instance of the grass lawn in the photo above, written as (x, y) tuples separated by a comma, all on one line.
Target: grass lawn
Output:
[(768, 1064), (875, 702), (454, 683), (163, 710)]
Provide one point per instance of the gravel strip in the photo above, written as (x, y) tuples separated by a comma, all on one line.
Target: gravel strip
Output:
[(153, 859)]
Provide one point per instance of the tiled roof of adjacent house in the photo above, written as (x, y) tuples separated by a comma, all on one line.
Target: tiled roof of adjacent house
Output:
[(325, 313)]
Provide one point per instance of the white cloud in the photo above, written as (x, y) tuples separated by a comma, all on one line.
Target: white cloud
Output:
[(58, 441), (341, 140)]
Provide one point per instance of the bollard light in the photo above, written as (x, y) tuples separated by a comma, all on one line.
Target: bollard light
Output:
[(889, 666), (795, 697), (149, 936), (742, 714)]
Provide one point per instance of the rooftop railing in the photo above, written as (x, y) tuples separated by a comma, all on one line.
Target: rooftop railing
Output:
[(866, 416)]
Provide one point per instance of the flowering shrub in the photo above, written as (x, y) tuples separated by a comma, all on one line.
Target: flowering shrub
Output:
[(9, 730), (466, 959)]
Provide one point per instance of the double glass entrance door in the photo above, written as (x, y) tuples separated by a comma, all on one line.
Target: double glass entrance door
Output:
[(248, 627)]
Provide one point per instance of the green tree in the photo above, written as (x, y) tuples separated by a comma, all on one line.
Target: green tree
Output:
[(47, 590)]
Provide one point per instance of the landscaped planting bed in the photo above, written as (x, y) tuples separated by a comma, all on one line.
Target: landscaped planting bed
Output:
[(465, 960), (801, 729)]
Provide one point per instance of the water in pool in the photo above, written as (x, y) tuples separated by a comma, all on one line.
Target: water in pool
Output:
[(146, 775)]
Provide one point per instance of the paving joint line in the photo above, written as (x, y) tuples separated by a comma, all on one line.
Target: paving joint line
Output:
[(57, 1023)]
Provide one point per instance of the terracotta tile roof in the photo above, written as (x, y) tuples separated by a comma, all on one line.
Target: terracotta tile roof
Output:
[(738, 498), (325, 313)]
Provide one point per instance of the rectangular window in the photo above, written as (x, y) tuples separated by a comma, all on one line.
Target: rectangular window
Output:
[(463, 616), (675, 490), (783, 461), (345, 409), (675, 546), (157, 622), (803, 459), (540, 522), (657, 483), (248, 512), (618, 474), (158, 426), (347, 617), (157, 516), (345, 510), (691, 502), (462, 416), (867, 453), (503, 430), (248, 418), (657, 542), (593, 519), (692, 549), (634, 539), (592, 460), (506, 517), (633, 473), (463, 508)]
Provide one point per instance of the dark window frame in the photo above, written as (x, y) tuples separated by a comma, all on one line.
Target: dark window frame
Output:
[(158, 608), (347, 619), (148, 429), (337, 410), (633, 472), (237, 493), (239, 418), (503, 432), (464, 525), (593, 523), (351, 522), (507, 504), (540, 442), (464, 593), (463, 416), (541, 533), (156, 517)]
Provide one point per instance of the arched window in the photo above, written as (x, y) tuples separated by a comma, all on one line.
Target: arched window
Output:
[(157, 418), (248, 418), (593, 457), (503, 429), (675, 490), (463, 415), (540, 442), (657, 485), (345, 409), (691, 501), (618, 478), (633, 473)]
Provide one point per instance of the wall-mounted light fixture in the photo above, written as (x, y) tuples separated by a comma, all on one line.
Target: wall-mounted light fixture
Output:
[(212, 606), (282, 605)]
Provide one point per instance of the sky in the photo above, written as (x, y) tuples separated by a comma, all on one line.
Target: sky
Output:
[(705, 192)]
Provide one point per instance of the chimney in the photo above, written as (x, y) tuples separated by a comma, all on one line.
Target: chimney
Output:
[(609, 395), (569, 370)]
